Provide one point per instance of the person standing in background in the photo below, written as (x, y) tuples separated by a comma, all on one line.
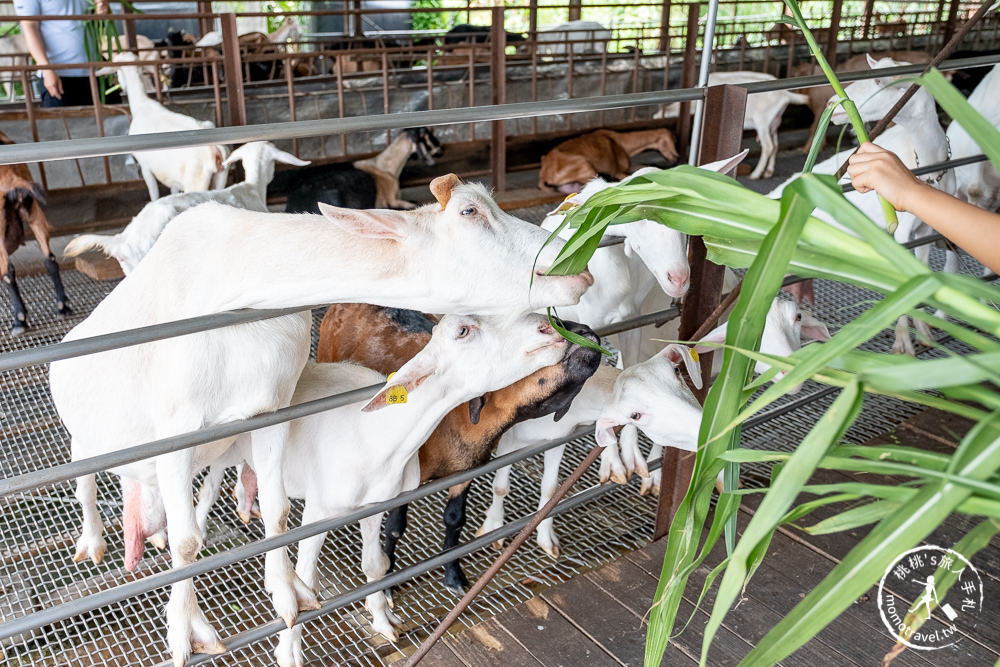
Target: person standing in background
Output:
[(59, 43)]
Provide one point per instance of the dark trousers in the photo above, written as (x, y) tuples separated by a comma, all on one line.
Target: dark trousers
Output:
[(76, 92)]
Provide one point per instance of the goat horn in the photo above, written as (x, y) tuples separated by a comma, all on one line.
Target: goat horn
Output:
[(442, 186)]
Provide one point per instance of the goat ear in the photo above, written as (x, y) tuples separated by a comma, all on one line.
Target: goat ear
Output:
[(476, 408), (287, 158), (604, 432), (727, 165), (716, 335), (375, 223), (409, 377), (678, 354), (105, 71), (871, 61), (442, 186), (814, 329)]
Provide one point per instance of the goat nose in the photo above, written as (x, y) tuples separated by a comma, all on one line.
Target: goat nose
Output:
[(546, 329), (679, 279), (587, 276)]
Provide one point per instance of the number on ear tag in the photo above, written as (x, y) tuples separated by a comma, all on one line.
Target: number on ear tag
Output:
[(694, 355), (395, 395)]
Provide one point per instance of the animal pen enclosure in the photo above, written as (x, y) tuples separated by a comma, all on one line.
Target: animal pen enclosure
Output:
[(58, 612), (354, 74)]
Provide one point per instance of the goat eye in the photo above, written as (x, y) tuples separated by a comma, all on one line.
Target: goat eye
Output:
[(463, 332), (469, 211), (635, 416), (798, 317)]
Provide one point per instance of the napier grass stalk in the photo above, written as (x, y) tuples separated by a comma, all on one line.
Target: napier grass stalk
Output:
[(743, 229), (843, 100)]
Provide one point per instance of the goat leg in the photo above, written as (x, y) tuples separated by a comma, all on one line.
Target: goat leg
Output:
[(395, 527), (454, 521), (20, 324), (62, 302)]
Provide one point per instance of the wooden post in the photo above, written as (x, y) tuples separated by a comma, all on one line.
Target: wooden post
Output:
[(532, 19), (834, 32), (233, 70), (204, 22), (688, 78), (498, 73), (665, 31), (725, 107), (869, 8), (949, 29), (356, 28), (575, 10)]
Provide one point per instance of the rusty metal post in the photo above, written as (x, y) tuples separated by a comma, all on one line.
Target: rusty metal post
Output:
[(725, 107), (533, 20), (498, 73), (869, 8), (233, 70), (204, 22), (129, 25), (688, 78), (665, 32), (949, 28), (575, 10), (834, 32)]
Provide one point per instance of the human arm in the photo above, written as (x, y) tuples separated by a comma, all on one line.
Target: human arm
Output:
[(32, 32), (975, 230)]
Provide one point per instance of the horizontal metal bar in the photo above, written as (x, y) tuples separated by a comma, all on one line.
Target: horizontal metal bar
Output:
[(270, 628), (640, 321), (223, 559), (100, 146), (119, 339), (94, 464)]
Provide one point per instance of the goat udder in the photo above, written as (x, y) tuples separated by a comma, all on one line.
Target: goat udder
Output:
[(132, 522)]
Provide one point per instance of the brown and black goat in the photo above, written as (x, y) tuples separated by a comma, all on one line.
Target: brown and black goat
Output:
[(22, 205), (383, 339)]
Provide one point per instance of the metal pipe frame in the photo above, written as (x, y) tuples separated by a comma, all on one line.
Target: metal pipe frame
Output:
[(192, 325), (98, 147)]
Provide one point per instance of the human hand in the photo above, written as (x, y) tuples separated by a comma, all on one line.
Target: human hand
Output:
[(874, 168), (53, 83), (102, 7)]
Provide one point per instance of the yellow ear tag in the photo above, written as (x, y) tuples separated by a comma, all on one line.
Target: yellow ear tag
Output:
[(567, 205), (694, 355), (395, 395)]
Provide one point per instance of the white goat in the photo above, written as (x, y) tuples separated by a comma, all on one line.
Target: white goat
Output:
[(192, 169), (289, 30), (585, 37), (918, 140), (978, 183), (669, 411), (374, 456), (624, 274), (462, 254), (763, 114), (648, 391), (132, 243), (13, 53)]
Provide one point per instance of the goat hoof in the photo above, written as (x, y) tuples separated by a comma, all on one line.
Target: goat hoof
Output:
[(17, 330), (63, 312), (619, 477), (498, 545), (552, 550), (904, 345), (94, 551), (215, 648), (157, 541), (289, 620), (244, 517), (456, 581)]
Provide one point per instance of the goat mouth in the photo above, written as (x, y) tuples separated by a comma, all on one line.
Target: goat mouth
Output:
[(555, 343)]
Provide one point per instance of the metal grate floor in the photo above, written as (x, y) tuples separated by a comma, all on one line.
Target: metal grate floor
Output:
[(39, 529)]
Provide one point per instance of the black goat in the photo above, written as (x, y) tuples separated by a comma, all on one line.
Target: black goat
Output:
[(476, 34), (371, 183)]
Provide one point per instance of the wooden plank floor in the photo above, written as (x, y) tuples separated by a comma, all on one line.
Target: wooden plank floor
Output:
[(598, 619)]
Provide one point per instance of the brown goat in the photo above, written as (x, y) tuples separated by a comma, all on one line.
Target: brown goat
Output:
[(384, 339), (22, 205), (571, 164), (819, 96)]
